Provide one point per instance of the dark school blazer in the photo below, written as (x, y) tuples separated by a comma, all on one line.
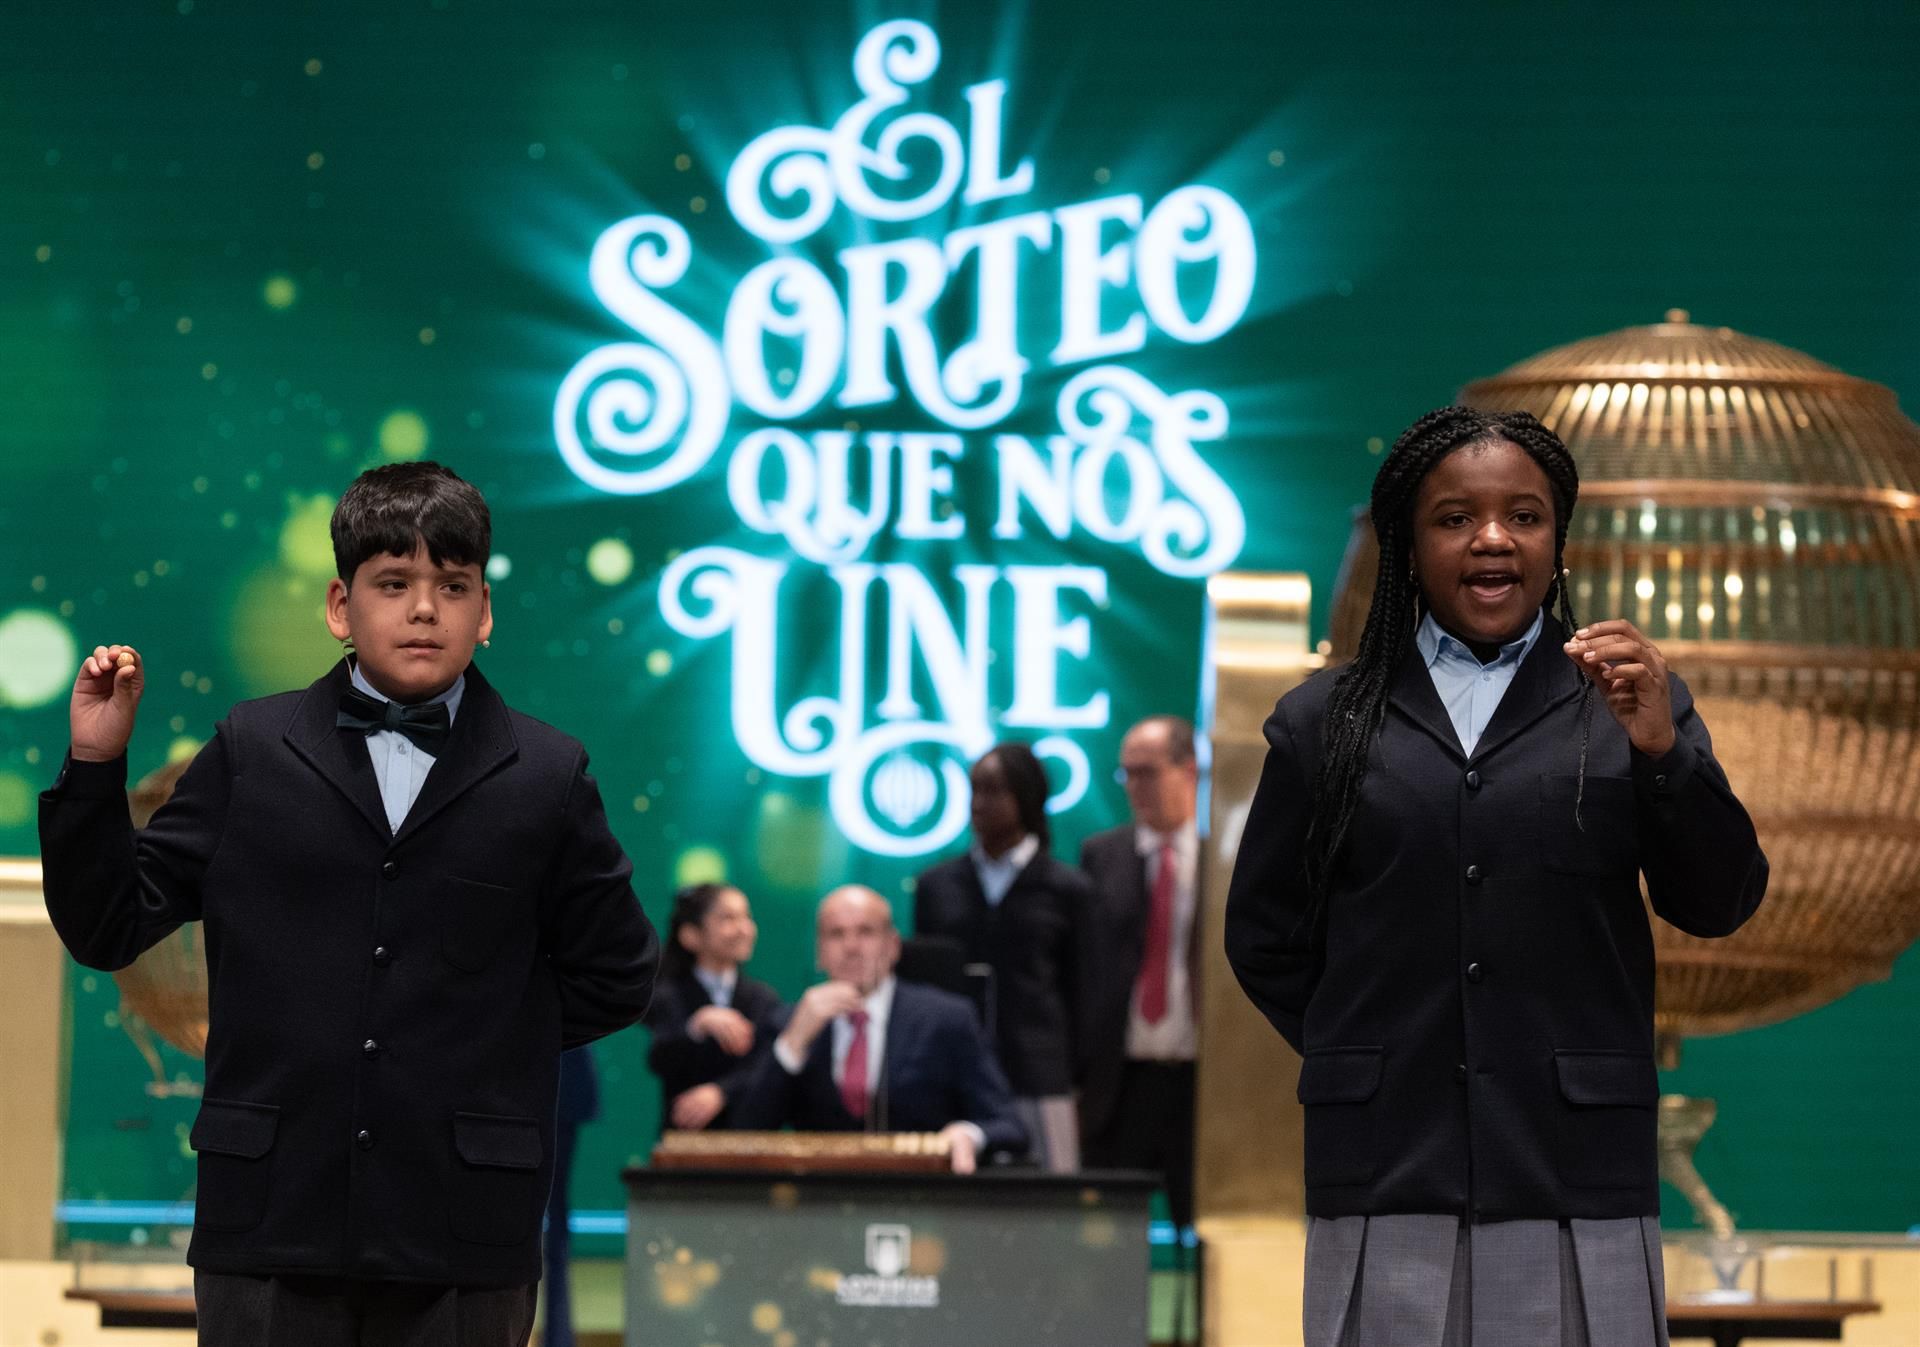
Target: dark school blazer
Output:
[(387, 1009), (1029, 939), (1115, 943), (682, 1061), (938, 1070), (1475, 1006)]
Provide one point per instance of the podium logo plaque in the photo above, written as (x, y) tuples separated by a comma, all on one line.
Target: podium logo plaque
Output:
[(889, 1252)]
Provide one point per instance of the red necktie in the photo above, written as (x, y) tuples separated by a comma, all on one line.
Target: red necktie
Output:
[(853, 1073), (1159, 950)]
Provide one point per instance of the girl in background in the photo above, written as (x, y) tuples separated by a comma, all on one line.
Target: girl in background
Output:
[(1012, 906), (710, 1022)]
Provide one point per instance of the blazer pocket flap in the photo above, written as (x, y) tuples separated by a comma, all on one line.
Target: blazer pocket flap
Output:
[(497, 1143), (1340, 1075), (1621, 1079), (231, 1127)]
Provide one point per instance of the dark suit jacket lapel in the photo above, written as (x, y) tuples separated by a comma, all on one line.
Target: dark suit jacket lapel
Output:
[(1197, 926), (337, 755), (1136, 899), (694, 990), (899, 1025), (817, 1083), (902, 1026), (1543, 681), (1028, 875), (753, 1000), (480, 743), (974, 896), (1413, 695)]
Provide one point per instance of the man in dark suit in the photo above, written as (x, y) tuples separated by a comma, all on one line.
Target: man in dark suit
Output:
[(864, 1051), (1141, 1000), (412, 902)]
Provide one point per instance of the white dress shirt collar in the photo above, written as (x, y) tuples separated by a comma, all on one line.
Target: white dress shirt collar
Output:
[(1435, 641), (997, 873), (879, 1002), (1183, 839)]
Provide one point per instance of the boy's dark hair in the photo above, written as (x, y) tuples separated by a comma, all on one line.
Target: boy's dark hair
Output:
[(390, 510), (1027, 779), (1359, 700)]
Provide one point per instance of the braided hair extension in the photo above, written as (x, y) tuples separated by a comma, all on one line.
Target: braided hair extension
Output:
[(1359, 700)]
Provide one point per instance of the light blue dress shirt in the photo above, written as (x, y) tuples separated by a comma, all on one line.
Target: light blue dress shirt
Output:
[(399, 765), (1471, 691), (719, 986), (998, 873)]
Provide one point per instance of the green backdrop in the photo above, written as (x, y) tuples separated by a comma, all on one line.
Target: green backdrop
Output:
[(249, 250)]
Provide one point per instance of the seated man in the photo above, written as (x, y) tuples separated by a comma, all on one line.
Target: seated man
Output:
[(865, 1051)]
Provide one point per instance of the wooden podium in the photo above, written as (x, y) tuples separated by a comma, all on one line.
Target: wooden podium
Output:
[(805, 1152)]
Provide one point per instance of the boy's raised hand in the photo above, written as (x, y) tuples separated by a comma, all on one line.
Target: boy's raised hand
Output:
[(105, 696)]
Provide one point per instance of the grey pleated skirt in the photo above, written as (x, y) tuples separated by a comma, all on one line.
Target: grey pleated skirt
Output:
[(1432, 1281)]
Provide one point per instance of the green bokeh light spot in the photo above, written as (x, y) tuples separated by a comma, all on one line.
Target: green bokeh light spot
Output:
[(278, 632), (280, 292), (16, 800), (403, 436), (38, 658), (795, 844), (306, 539), (699, 865), (610, 561)]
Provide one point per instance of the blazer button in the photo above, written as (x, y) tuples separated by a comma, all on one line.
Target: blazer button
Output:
[(363, 1139), (1475, 973), (1473, 780), (390, 869), (1660, 781), (382, 955), (370, 1048), (1460, 1072), (1473, 874)]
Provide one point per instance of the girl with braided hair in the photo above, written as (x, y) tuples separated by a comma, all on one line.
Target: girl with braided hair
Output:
[(1437, 902), (1009, 904)]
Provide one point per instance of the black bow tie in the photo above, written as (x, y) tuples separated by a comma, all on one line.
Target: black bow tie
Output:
[(425, 725)]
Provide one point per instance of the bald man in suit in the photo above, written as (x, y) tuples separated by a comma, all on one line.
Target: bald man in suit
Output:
[(865, 1051)]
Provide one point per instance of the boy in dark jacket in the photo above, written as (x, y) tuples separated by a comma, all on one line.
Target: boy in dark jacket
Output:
[(412, 903)]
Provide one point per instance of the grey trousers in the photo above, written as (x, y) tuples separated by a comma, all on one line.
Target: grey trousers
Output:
[(238, 1311), (1432, 1281)]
